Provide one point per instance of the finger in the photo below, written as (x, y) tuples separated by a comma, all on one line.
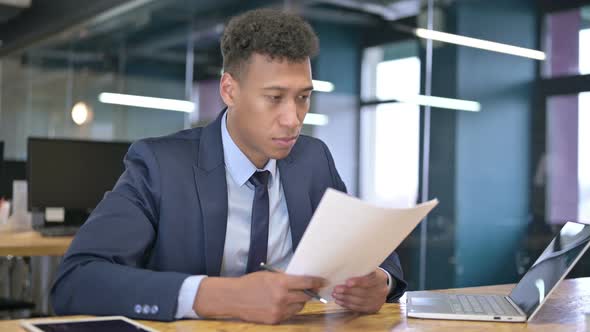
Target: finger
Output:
[(352, 299), (358, 308), (379, 291), (368, 280), (353, 291), (292, 310), (304, 282), (297, 297)]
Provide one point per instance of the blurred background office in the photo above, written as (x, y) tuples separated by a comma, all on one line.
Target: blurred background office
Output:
[(496, 125)]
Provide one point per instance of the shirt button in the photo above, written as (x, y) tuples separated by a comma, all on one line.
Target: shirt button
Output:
[(146, 309), (137, 309), (155, 309)]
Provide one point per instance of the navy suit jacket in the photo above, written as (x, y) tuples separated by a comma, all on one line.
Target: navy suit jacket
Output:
[(166, 218)]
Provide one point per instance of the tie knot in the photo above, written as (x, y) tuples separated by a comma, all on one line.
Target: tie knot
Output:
[(260, 178)]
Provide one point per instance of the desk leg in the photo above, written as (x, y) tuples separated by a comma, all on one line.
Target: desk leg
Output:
[(5, 282), (5, 279), (15, 284), (43, 269)]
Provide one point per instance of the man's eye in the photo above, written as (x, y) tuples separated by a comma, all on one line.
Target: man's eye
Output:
[(274, 98), (304, 97)]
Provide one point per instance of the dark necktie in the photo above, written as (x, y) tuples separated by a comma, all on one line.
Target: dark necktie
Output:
[(259, 226)]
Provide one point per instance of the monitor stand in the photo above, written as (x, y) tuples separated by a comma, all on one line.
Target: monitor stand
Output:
[(73, 220), (75, 217)]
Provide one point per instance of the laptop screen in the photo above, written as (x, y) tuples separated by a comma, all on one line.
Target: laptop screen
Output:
[(552, 266)]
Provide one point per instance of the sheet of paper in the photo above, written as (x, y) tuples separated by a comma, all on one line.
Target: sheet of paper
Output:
[(347, 237)]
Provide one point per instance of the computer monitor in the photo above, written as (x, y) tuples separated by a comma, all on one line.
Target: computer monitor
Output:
[(11, 170), (1, 166), (1, 160), (72, 174)]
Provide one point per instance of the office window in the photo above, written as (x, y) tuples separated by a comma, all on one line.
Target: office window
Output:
[(585, 51), (390, 131), (584, 155), (567, 42), (567, 161)]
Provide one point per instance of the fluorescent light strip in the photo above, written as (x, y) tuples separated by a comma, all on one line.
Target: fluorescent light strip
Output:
[(440, 102), (147, 102), (180, 105), (323, 86), (315, 119), (479, 43)]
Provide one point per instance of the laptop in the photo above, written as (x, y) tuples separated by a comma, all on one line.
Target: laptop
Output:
[(526, 297)]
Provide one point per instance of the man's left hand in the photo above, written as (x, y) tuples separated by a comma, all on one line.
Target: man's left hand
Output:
[(364, 294)]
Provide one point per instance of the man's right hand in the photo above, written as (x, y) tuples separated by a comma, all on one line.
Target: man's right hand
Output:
[(270, 298), (260, 297)]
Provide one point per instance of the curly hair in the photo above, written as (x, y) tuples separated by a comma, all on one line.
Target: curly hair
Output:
[(270, 32)]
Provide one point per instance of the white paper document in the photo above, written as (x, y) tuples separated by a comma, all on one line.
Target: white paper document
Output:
[(347, 237)]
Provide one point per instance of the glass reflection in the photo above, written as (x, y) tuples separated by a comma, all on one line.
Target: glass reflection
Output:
[(551, 266)]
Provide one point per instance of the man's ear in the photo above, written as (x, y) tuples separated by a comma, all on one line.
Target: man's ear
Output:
[(228, 89)]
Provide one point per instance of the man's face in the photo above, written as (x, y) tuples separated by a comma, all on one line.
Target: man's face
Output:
[(267, 106)]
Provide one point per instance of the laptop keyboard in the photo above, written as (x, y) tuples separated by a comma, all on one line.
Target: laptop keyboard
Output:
[(478, 304)]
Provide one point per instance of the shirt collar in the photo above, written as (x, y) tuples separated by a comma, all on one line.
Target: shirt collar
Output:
[(238, 165)]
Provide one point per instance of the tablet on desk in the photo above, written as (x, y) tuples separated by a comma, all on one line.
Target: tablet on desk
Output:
[(97, 324)]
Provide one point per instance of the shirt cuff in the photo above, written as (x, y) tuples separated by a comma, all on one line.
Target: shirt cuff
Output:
[(186, 297), (389, 281)]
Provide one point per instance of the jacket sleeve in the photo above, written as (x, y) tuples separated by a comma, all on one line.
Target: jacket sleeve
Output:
[(103, 271), (391, 263), (393, 266)]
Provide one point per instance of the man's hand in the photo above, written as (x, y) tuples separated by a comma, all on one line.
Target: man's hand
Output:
[(364, 294), (270, 298), (260, 297)]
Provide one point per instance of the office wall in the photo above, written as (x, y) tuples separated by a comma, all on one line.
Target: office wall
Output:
[(492, 174), (338, 62), (480, 162), (340, 134), (440, 258)]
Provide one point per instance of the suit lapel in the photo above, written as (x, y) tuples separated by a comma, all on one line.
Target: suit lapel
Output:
[(297, 198), (212, 191)]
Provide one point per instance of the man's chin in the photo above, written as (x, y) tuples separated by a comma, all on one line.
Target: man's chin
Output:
[(282, 154)]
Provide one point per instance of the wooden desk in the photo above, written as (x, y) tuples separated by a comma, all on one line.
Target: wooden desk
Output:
[(564, 311), (32, 244)]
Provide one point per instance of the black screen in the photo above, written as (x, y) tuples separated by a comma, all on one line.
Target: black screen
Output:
[(114, 325), (1, 165), (72, 174), (11, 170), (567, 246)]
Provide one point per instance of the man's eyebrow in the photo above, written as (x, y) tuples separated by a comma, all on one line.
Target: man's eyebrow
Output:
[(282, 88), (275, 87)]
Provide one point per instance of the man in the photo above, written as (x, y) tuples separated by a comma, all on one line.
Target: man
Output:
[(184, 229)]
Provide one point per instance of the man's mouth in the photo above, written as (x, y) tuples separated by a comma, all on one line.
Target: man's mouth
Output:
[(288, 141)]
